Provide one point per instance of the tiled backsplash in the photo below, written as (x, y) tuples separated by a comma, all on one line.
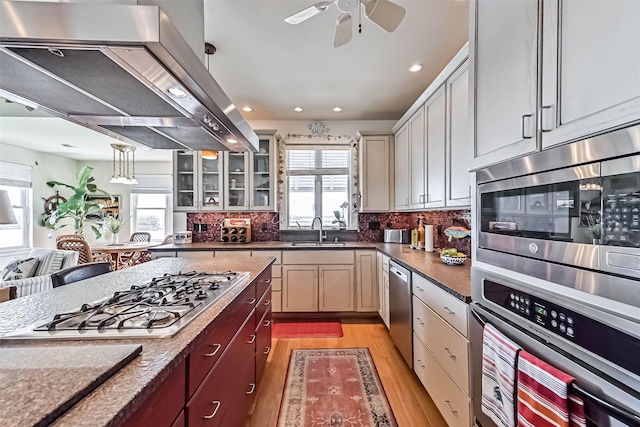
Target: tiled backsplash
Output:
[(265, 226)]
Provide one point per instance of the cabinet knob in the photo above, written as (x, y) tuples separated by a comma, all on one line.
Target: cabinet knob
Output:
[(213, 353), (217, 403)]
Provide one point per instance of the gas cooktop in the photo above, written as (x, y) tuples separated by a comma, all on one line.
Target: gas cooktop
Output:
[(155, 309)]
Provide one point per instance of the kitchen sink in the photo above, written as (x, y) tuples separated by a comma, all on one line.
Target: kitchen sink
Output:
[(315, 244)]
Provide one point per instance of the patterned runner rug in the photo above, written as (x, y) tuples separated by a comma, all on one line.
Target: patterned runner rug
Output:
[(300, 329), (334, 388)]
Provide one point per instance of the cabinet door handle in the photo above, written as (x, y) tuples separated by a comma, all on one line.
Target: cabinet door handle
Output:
[(448, 403), (406, 201), (266, 323), (251, 301), (215, 411), (266, 350), (448, 353), (267, 302), (428, 198), (420, 363), (469, 191), (542, 128), (252, 340), (419, 289), (253, 388), (421, 198), (448, 310), (524, 117), (217, 346), (419, 320)]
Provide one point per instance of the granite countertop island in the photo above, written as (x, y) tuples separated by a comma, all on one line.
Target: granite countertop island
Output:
[(124, 392), (455, 280)]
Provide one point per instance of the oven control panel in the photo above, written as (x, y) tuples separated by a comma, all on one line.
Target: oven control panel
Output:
[(610, 343)]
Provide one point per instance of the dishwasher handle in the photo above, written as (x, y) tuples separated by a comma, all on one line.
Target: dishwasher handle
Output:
[(403, 276)]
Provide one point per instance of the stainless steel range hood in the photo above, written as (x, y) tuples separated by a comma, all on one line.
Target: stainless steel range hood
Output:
[(122, 70)]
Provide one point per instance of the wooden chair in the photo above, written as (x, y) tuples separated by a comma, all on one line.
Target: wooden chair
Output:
[(69, 236), (140, 236), (8, 293), (81, 246), (80, 272), (132, 258)]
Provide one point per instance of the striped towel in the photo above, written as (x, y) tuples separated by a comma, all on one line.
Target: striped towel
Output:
[(499, 355), (542, 393), (577, 417)]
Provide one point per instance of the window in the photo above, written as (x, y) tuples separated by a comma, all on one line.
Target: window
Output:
[(151, 205), (16, 180), (318, 182)]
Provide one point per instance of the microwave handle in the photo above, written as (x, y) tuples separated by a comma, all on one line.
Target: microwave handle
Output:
[(621, 166)]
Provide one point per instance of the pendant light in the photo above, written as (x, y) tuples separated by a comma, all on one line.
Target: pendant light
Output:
[(126, 165)]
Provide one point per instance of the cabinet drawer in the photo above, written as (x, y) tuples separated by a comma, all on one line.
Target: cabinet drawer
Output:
[(452, 403), (273, 254), (263, 305), (262, 283), (276, 301), (219, 392), (232, 254), (217, 338), (263, 344), (318, 257), (449, 347), (451, 309)]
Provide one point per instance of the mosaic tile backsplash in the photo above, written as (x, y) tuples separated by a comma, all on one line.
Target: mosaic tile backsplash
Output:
[(265, 226)]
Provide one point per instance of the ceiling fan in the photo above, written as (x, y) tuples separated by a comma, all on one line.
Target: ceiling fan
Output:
[(384, 13)]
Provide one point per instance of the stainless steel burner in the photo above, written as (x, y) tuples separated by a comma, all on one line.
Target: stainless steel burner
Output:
[(157, 308)]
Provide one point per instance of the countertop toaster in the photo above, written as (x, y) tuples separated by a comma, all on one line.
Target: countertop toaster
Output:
[(396, 236)]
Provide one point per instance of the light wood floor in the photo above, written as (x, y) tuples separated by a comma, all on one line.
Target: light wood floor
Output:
[(409, 401)]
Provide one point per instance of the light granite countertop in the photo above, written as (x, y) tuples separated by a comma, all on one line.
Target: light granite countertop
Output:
[(454, 279), (119, 396)]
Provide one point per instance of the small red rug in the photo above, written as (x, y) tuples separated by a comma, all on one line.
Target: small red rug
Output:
[(334, 387), (307, 330)]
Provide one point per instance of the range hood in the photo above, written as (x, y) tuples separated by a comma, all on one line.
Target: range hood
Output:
[(122, 70)]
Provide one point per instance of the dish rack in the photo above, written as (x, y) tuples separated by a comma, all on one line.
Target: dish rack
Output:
[(236, 231)]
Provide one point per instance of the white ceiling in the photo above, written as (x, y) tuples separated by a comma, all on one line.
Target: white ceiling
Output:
[(273, 67)]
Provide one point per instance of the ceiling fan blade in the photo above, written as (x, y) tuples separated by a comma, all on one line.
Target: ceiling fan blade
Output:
[(309, 12), (386, 14), (344, 30)]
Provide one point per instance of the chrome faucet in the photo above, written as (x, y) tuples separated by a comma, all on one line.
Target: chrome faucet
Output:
[(322, 235)]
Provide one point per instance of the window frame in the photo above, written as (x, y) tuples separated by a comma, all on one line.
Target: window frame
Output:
[(26, 204), (318, 174)]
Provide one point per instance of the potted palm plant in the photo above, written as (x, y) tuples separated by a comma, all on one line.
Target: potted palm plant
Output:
[(78, 205)]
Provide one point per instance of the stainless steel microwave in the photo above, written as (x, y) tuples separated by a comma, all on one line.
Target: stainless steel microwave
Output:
[(584, 215)]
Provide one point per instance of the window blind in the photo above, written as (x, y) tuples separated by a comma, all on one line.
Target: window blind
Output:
[(153, 184), (15, 175), (318, 159)]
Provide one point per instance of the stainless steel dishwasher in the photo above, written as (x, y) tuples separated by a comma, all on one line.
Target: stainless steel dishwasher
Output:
[(400, 312)]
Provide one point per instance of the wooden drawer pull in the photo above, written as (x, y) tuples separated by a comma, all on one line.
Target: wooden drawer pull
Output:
[(448, 353), (251, 301), (266, 350), (217, 346), (252, 340), (448, 310), (448, 403), (266, 323), (253, 388), (217, 403), (420, 321)]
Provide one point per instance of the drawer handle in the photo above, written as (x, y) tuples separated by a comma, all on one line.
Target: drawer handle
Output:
[(448, 353), (217, 346), (266, 323), (267, 350), (267, 302), (251, 301), (253, 388), (448, 310), (420, 363), (419, 320), (448, 403), (252, 340), (217, 403), (266, 281), (419, 288)]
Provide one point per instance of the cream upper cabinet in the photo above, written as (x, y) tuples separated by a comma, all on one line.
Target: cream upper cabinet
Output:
[(590, 68), (503, 51), (459, 139), (435, 148), (299, 288), (417, 168), (367, 281), (402, 168), (376, 176), (336, 288)]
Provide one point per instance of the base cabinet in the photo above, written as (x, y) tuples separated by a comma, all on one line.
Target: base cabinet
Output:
[(336, 288), (367, 281), (383, 287), (299, 288)]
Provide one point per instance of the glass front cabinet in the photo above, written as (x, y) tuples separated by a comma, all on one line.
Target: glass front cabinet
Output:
[(211, 181)]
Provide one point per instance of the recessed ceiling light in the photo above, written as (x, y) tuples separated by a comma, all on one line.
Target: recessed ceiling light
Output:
[(298, 109), (232, 141), (68, 146), (337, 109), (177, 92), (415, 68), (247, 109)]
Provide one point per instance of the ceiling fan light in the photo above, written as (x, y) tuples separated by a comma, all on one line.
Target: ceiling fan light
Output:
[(344, 30), (385, 14)]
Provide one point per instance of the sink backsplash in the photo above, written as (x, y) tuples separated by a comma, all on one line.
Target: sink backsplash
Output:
[(265, 226)]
